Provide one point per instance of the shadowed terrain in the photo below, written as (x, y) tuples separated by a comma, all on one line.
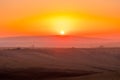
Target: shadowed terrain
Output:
[(60, 64)]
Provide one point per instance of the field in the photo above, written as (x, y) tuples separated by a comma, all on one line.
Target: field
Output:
[(60, 64)]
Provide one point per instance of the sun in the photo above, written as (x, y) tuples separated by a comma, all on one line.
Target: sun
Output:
[(62, 32), (61, 24)]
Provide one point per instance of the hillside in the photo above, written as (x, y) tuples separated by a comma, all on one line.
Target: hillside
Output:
[(61, 61)]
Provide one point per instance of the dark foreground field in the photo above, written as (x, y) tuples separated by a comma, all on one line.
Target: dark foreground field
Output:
[(40, 74), (60, 64)]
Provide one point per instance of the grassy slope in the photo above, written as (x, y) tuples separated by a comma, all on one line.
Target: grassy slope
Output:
[(104, 61)]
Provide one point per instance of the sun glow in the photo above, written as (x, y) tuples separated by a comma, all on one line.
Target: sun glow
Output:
[(62, 32), (61, 24)]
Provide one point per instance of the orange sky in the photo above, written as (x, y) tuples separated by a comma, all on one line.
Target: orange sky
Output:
[(39, 17)]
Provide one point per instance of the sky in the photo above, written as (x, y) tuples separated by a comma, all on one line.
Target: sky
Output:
[(49, 17)]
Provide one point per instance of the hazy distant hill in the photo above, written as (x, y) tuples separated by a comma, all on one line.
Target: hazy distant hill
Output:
[(55, 41)]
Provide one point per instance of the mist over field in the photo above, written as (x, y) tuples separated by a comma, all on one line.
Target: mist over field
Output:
[(58, 41)]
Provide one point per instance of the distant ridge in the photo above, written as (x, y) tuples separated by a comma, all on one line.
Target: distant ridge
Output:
[(60, 36)]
